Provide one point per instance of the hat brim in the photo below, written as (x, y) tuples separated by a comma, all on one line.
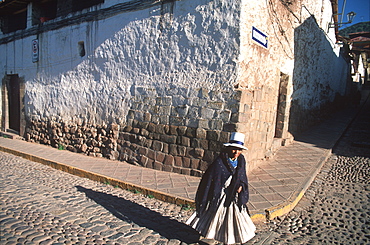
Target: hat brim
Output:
[(235, 145)]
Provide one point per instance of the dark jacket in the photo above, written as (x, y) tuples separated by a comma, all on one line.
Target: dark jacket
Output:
[(210, 186)]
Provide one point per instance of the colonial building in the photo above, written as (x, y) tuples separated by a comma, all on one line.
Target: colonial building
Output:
[(163, 83)]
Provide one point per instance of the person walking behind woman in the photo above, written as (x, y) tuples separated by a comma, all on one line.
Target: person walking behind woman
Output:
[(221, 211)]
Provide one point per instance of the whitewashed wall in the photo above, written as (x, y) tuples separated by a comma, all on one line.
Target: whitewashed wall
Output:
[(195, 46)]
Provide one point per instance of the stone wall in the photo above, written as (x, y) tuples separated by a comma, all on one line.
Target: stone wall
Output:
[(180, 133), (179, 149)]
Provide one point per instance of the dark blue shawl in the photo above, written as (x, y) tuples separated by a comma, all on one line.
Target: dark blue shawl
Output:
[(210, 186)]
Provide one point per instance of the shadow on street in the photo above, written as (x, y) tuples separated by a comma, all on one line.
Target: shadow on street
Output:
[(134, 213)]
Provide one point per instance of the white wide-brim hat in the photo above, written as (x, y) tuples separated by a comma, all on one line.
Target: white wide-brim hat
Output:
[(236, 140)]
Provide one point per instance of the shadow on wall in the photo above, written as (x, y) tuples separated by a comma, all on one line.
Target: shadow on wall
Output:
[(321, 79), (134, 213)]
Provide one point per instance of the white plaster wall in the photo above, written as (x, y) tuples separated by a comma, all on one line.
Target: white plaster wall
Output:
[(300, 44), (320, 71), (196, 46)]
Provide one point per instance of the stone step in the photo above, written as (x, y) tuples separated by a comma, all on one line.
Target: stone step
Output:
[(10, 135)]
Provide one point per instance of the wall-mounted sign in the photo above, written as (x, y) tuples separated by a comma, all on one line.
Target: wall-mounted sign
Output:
[(259, 37), (35, 50)]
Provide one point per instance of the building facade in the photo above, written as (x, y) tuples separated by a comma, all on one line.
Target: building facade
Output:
[(162, 84)]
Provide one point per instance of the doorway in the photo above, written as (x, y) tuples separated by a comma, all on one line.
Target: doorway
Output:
[(14, 104), (12, 97), (282, 106)]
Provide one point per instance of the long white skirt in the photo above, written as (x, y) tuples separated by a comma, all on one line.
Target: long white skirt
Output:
[(228, 224)]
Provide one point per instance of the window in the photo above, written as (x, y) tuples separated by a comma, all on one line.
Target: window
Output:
[(14, 22)]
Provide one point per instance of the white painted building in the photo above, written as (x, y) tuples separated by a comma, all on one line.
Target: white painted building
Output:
[(174, 78)]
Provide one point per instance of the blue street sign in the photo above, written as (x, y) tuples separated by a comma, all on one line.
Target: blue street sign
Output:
[(259, 37)]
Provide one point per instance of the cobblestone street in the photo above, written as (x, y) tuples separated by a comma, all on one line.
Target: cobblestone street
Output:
[(41, 205)]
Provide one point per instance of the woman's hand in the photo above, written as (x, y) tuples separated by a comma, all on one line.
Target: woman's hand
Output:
[(240, 189)]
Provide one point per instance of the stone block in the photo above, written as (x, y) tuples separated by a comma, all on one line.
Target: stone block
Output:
[(147, 143), (131, 114), (189, 152), (186, 163), (190, 132), (214, 145), (224, 137), (168, 160), (160, 157), (193, 112), (173, 150), (229, 127), (178, 161), (157, 145), (181, 150), (164, 119), (207, 113), (150, 163), (177, 121), (213, 135), (143, 151), (155, 136), (192, 122), (181, 110), (247, 97), (151, 154), (159, 128), (176, 170), (194, 163), (178, 100), (185, 141), (203, 165), (167, 168), (200, 133), (171, 139), (173, 130), (141, 140), (198, 153), (199, 143), (217, 105), (166, 128), (234, 117), (258, 95), (181, 130), (215, 124), (142, 125), (164, 101), (186, 171), (225, 115), (143, 160), (156, 119), (203, 123), (151, 127), (157, 165), (237, 95), (209, 156), (244, 117), (165, 148), (147, 117)]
